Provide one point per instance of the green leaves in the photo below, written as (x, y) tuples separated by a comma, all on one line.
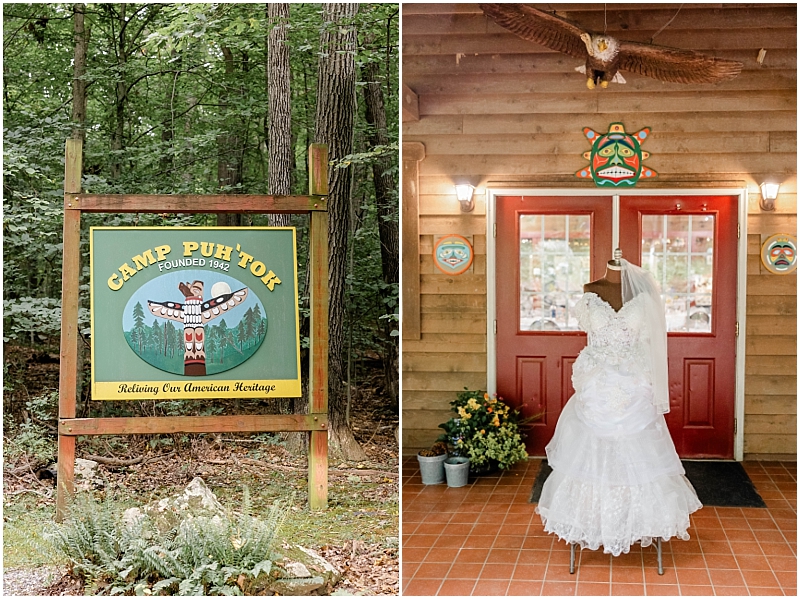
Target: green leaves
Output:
[(486, 430), (226, 554), (161, 100)]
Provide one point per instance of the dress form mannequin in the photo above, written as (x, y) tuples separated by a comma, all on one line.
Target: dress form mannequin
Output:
[(609, 288)]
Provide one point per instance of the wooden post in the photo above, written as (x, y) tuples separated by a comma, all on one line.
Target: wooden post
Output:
[(318, 170), (70, 282), (413, 154), (318, 363)]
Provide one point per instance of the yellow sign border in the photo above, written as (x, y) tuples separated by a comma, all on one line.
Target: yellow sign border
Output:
[(106, 391)]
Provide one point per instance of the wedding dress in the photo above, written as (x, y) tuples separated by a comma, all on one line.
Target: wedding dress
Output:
[(616, 478)]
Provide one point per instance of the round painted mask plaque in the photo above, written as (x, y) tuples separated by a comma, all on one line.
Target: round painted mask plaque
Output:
[(779, 254), (452, 254)]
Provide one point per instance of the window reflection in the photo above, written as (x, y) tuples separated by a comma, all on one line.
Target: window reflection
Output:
[(554, 266), (679, 251)]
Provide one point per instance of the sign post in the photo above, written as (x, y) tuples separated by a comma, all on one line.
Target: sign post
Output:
[(213, 296)]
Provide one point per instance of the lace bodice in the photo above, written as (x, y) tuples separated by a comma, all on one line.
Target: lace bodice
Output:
[(607, 329), (612, 373)]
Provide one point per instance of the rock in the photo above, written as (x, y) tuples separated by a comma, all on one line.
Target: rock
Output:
[(85, 468), (86, 477), (317, 563), (297, 586), (196, 500), (297, 570), (304, 572)]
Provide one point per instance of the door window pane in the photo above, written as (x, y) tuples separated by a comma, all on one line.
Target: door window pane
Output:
[(554, 266), (679, 251)]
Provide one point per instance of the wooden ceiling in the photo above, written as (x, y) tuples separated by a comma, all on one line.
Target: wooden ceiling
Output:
[(454, 49)]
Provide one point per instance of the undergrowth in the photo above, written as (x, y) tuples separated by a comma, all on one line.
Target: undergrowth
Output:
[(227, 554)]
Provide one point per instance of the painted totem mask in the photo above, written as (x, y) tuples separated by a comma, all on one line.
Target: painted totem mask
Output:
[(616, 157), (779, 253)]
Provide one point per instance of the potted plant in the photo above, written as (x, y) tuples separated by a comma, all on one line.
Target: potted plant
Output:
[(486, 431), (431, 463)]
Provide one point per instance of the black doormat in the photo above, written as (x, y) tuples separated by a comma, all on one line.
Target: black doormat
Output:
[(720, 484)]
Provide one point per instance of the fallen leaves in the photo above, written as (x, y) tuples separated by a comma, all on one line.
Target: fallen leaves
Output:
[(369, 568)]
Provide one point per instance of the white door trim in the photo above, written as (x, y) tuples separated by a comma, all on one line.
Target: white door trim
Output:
[(741, 277)]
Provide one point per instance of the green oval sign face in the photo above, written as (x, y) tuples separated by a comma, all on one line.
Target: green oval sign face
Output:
[(194, 322)]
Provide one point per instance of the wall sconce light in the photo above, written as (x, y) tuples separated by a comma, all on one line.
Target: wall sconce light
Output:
[(769, 192), (464, 194)]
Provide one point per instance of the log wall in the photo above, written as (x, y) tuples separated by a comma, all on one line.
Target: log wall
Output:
[(490, 107)]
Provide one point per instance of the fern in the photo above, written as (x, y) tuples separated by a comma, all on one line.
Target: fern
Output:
[(194, 556)]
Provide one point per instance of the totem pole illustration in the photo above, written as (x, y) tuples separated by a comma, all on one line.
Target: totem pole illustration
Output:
[(194, 313)]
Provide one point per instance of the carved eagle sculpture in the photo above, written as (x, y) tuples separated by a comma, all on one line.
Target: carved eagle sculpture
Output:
[(605, 55)]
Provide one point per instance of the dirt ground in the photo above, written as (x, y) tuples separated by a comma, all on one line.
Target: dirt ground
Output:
[(359, 533)]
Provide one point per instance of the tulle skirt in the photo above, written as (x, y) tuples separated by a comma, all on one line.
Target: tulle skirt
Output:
[(617, 479)]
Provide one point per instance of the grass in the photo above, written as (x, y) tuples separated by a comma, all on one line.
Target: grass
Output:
[(357, 510), (25, 523)]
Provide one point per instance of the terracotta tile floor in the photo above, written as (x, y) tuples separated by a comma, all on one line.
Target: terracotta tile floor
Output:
[(484, 539)]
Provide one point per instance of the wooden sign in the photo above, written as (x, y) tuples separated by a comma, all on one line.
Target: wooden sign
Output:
[(194, 312), (779, 254)]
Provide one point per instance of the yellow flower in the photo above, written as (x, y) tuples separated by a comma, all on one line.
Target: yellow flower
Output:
[(483, 432), (485, 396), (472, 403), (462, 412), (496, 421)]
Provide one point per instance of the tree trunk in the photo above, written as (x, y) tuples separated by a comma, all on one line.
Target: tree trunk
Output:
[(79, 132), (336, 106), (79, 74), (121, 97), (281, 156), (229, 148), (168, 127), (385, 181)]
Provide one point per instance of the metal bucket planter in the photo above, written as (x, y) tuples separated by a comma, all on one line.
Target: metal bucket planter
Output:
[(457, 471), (431, 469)]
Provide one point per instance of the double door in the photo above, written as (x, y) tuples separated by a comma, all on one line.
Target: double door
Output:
[(547, 248)]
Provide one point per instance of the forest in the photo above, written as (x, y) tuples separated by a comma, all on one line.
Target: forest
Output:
[(218, 98), (176, 99)]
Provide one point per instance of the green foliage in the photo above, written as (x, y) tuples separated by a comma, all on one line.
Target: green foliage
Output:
[(486, 430), (182, 105), (32, 437), (28, 438), (25, 524), (222, 555)]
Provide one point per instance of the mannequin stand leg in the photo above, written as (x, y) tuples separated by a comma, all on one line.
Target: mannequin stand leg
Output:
[(660, 565), (572, 558)]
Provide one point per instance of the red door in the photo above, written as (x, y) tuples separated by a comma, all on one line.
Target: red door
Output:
[(689, 244), (547, 248)]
